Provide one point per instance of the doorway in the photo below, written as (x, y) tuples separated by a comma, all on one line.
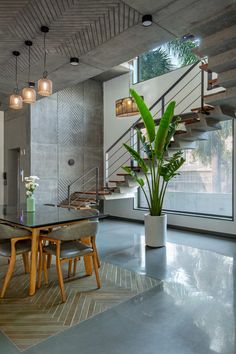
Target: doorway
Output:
[(13, 178)]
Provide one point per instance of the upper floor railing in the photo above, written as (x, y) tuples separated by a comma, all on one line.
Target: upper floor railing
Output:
[(187, 90)]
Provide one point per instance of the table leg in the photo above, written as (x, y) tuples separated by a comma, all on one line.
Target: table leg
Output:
[(88, 259), (34, 252)]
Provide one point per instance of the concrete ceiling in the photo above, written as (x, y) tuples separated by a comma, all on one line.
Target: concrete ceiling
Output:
[(102, 33)]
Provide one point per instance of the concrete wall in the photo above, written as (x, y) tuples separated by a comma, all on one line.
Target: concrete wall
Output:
[(66, 125), (16, 137), (1, 155)]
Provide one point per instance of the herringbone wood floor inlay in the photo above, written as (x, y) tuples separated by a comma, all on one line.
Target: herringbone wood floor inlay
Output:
[(30, 320)]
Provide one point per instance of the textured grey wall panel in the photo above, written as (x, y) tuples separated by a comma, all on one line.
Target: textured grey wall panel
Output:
[(67, 125)]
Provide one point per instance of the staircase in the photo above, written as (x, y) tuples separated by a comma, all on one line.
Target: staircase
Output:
[(219, 44), (203, 98)]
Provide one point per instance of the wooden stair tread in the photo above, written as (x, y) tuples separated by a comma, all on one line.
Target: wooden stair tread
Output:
[(75, 207), (81, 199), (211, 82), (205, 67), (94, 192), (206, 108), (134, 168), (117, 181)]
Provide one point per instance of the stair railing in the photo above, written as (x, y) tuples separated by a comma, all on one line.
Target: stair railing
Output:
[(94, 178), (111, 159)]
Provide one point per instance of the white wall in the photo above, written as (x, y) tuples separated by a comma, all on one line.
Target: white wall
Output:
[(114, 127), (1, 154)]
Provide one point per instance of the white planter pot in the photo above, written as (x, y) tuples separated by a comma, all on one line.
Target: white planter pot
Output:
[(155, 230)]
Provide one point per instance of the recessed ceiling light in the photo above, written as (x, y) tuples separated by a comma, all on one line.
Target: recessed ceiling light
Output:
[(188, 36), (147, 20), (74, 61)]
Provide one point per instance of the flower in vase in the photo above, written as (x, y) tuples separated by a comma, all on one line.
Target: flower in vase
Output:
[(31, 185)]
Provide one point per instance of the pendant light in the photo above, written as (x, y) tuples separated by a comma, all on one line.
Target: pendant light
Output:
[(29, 93), (126, 106), (44, 84), (15, 100)]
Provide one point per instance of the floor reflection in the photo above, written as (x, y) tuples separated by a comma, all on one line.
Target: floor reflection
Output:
[(202, 284), (198, 276)]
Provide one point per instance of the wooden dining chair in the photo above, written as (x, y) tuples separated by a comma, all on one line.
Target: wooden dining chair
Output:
[(74, 262), (14, 241), (66, 244)]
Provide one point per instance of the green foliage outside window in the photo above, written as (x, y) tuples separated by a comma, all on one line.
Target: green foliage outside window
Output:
[(162, 60)]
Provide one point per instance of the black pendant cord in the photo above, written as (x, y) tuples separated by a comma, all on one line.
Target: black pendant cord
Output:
[(17, 87), (45, 57), (29, 65)]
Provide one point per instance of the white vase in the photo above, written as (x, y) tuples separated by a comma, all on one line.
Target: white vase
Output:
[(155, 230)]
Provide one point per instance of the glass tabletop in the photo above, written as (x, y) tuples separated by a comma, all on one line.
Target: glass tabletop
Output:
[(44, 215)]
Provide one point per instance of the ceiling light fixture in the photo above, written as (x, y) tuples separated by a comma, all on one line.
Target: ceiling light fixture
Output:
[(15, 100), (74, 61), (147, 20), (126, 106), (29, 93), (44, 84)]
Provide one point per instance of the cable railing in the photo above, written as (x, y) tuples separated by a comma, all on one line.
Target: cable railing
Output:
[(92, 181), (113, 162)]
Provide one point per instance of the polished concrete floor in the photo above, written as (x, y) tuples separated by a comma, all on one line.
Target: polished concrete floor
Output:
[(192, 311)]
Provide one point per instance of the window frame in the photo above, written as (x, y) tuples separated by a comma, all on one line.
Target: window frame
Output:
[(196, 214)]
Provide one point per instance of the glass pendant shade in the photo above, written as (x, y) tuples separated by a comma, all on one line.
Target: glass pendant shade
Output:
[(29, 95), (44, 87), (15, 101), (126, 107)]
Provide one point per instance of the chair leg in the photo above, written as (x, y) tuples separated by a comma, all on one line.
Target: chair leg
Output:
[(97, 255), (69, 268), (49, 260), (9, 274), (59, 273), (40, 269), (45, 269), (95, 266), (25, 257), (75, 266)]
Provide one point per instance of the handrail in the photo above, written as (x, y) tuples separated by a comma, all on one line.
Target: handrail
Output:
[(96, 169), (156, 102)]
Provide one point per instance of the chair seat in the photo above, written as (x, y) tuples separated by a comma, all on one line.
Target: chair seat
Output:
[(69, 249), (21, 247)]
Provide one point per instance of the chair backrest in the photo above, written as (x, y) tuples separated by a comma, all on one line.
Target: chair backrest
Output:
[(95, 212), (75, 232), (8, 232)]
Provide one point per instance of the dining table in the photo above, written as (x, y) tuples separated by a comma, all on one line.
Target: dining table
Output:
[(45, 218)]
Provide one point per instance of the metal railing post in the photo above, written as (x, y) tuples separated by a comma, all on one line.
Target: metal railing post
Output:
[(106, 169), (162, 105), (132, 145), (202, 90), (97, 184), (68, 196)]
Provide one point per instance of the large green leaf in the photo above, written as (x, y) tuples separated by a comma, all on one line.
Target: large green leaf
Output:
[(133, 174), (163, 128), (137, 158), (147, 147), (169, 169), (145, 114), (171, 131)]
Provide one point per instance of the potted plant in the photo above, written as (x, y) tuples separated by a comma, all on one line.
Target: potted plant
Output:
[(159, 168)]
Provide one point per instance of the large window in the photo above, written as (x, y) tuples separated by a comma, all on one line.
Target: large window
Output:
[(204, 185), (164, 59)]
